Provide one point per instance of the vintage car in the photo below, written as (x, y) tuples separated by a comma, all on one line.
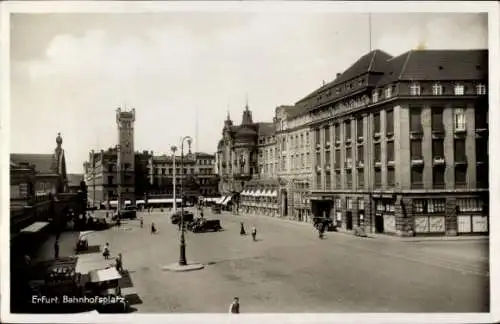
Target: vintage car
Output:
[(176, 217), (205, 225)]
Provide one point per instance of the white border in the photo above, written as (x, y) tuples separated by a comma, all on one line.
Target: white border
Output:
[(491, 7)]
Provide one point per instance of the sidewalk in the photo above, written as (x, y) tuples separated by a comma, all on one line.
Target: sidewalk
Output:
[(67, 243), (382, 236)]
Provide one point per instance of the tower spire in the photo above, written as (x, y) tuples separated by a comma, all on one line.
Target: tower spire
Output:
[(246, 101)]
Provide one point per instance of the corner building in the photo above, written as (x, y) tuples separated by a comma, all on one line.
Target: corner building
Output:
[(400, 144)]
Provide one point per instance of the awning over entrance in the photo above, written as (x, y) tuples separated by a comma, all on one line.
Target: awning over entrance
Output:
[(164, 201), (35, 227)]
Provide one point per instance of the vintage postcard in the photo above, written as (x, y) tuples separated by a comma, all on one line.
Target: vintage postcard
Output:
[(249, 161)]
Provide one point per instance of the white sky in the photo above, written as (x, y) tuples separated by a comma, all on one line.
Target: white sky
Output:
[(71, 71)]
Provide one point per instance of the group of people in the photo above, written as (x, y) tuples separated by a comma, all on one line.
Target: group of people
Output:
[(119, 259), (253, 231)]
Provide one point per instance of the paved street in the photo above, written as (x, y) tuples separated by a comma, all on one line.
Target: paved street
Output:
[(290, 270)]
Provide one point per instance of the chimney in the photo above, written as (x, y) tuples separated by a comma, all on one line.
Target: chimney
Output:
[(338, 75)]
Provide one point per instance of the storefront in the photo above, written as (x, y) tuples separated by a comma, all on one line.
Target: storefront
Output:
[(260, 201), (385, 217), (429, 216), (471, 216)]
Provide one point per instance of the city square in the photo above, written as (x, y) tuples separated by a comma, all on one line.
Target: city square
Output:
[(288, 269)]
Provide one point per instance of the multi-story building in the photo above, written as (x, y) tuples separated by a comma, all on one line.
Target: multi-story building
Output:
[(237, 153), (400, 143), (143, 174), (196, 174), (293, 153)]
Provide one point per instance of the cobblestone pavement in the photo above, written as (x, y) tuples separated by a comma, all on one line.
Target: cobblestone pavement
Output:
[(290, 270)]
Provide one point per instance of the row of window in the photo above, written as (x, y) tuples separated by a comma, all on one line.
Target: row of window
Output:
[(459, 150), (437, 124), (437, 90), (19, 191), (438, 178), (163, 171)]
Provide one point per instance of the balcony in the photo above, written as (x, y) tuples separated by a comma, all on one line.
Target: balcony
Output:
[(390, 163), (337, 142), (348, 165), (348, 140), (461, 161), (327, 144), (417, 161), (376, 134), (438, 160), (318, 146), (327, 168), (416, 133), (378, 164), (318, 168), (360, 139), (389, 134), (360, 164)]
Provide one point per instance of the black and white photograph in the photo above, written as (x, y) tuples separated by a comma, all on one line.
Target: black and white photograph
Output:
[(241, 158)]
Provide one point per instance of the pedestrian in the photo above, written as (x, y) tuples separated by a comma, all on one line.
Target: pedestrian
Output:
[(242, 229), (119, 262), (106, 251), (56, 250), (153, 228), (142, 222), (234, 308), (254, 233)]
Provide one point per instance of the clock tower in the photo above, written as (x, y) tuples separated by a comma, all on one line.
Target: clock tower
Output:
[(125, 156)]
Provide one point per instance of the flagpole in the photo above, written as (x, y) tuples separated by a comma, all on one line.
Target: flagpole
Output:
[(370, 30)]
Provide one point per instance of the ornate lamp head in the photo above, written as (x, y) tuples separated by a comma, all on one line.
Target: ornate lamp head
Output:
[(173, 148)]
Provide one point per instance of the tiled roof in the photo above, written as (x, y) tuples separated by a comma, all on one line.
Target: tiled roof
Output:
[(245, 131), (374, 61), (44, 163), (266, 129), (74, 179), (294, 111)]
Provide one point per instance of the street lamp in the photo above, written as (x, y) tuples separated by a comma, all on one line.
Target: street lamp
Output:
[(173, 148), (182, 257)]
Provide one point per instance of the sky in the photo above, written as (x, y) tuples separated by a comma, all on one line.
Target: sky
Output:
[(69, 72)]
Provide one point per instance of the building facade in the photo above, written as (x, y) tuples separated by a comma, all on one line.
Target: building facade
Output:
[(400, 143), (237, 152), (294, 169)]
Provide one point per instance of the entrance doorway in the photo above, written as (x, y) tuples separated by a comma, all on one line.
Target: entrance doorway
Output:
[(348, 220), (379, 223)]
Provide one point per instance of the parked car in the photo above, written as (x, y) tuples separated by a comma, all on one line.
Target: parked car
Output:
[(176, 217), (205, 225)]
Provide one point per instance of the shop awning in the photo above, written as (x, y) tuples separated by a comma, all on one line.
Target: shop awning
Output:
[(266, 193), (35, 227), (227, 200), (258, 193), (140, 202), (104, 275), (113, 202), (164, 201), (221, 200), (274, 193)]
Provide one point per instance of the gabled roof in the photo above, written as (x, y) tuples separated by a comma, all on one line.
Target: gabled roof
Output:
[(266, 129), (374, 61), (44, 163)]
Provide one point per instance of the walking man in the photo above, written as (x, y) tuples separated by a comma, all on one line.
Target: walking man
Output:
[(142, 222), (242, 229), (153, 228), (119, 263), (254, 233), (234, 308)]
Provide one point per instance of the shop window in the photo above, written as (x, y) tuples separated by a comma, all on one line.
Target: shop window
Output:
[(470, 205)]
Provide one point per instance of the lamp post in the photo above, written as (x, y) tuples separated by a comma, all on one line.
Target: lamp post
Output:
[(182, 257), (173, 148)]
